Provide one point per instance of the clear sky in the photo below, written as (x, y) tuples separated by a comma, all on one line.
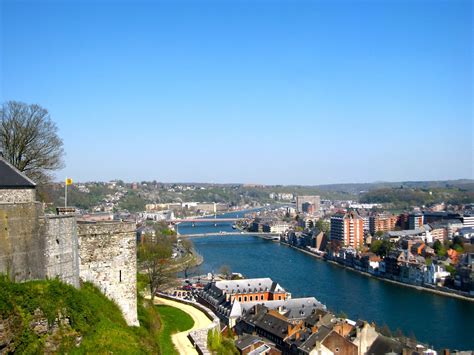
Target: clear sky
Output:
[(272, 92)]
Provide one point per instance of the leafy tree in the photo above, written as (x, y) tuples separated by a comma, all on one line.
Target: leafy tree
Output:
[(220, 345), (439, 248), (322, 225), (341, 314), (132, 202), (451, 269), (399, 333), (226, 272), (188, 247), (29, 140), (381, 247), (154, 259), (458, 244), (385, 330)]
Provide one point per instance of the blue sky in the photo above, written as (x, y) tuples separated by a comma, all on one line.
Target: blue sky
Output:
[(273, 92)]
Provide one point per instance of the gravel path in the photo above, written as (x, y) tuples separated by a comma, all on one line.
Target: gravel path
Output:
[(180, 340)]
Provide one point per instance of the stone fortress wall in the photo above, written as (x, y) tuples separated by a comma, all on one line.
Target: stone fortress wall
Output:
[(22, 242), (61, 248), (108, 258), (17, 195), (38, 246)]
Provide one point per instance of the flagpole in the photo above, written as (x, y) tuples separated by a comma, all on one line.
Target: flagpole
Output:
[(65, 194)]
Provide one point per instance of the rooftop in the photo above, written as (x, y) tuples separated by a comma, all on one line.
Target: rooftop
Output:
[(249, 286), (12, 178), (293, 308)]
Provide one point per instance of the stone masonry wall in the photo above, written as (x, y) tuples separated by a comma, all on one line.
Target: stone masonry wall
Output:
[(107, 258), (21, 245), (17, 195), (61, 248), (33, 246)]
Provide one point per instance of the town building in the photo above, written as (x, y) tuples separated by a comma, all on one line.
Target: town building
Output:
[(382, 223), (347, 230), (468, 220), (308, 207), (219, 296), (415, 220), (314, 200), (294, 309), (279, 227)]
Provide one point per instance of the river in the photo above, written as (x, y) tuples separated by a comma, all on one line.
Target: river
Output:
[(439, 321)]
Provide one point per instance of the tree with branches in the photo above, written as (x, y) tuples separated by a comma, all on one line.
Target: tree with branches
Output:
[(155, 260), (29, 140)]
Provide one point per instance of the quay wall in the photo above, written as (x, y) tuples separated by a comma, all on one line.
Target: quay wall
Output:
[(417, 287)]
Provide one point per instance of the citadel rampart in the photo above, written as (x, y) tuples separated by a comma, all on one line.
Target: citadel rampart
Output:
[(17, 195), (107, 254), (21, 243), (38, 246), (61, 248)]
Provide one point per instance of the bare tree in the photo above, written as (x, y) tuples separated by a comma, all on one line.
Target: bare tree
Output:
[(29, 140)]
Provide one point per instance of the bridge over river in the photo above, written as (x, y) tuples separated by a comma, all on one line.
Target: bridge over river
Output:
[(205, 220), (268, 236)]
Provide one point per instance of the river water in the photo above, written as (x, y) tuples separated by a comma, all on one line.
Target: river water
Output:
[(436, 320)]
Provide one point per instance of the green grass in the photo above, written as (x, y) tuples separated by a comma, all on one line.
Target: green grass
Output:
[(91, 315), (173, 320)]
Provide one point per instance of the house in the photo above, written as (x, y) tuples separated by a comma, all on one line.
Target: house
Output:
[(252, 344), (435, 274), (219, 296), (385, 345), (294, 309), (274, 327), (319, 240)]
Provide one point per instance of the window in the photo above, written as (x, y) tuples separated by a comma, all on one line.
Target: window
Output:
[(261, 297), (240, 299), (245, 299), (251, 298)]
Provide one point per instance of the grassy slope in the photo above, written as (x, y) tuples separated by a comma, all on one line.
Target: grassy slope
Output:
[(90, 313), (174, 320)]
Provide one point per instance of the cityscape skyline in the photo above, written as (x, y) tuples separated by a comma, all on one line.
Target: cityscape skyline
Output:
[(238, 93)]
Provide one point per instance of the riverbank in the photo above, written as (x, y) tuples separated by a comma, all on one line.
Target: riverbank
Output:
[(399, 283)]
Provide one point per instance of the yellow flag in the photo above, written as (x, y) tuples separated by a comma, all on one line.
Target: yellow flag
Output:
[(68, 181)]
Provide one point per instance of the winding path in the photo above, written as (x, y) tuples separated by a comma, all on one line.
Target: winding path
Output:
[(180, 340)]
